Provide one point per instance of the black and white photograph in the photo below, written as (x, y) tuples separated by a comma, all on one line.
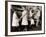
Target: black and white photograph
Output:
[(25, 18)]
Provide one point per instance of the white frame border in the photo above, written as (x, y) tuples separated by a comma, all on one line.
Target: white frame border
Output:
[(27, 32)]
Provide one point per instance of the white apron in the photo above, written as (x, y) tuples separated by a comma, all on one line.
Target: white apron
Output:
[(24, 19), (15, 20)]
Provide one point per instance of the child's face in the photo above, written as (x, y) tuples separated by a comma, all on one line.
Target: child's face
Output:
[(34, 10)]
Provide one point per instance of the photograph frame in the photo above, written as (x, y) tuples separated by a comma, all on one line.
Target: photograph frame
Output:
[(6, 18)]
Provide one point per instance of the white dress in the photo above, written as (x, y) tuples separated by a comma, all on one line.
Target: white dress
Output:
[(24, 19), (37, 17), (30, 15), (15, 20), (32, 21)]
